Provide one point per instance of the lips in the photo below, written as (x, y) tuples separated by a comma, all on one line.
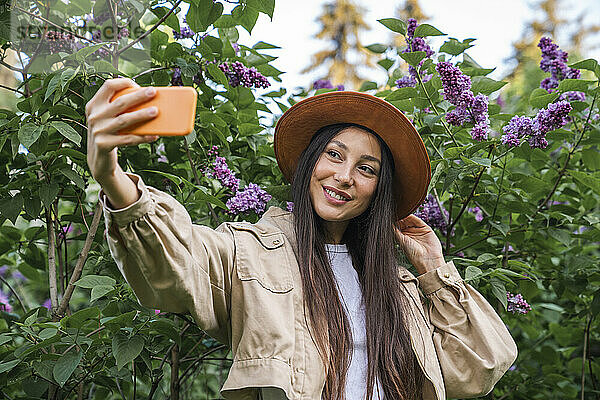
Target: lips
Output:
[(335, 193)]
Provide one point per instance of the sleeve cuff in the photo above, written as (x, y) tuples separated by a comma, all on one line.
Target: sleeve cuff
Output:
[(132, 212), (445, 275)]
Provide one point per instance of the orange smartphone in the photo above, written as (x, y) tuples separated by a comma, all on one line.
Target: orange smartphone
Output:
[(176, 111)]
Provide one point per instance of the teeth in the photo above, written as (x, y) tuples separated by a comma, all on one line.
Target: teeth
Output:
[(335, 195)]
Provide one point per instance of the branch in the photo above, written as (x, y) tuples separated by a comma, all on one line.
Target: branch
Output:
[(586, 339), (81, 260), (52, 261), (148, 71), (197, 179), (12, 89), (15, 293), (52, 23), (149, 31), (11, 67)]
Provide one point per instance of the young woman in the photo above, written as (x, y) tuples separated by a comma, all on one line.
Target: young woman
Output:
[(313, 303)]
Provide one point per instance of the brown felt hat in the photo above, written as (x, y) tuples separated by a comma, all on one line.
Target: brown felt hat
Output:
[(300, 122)]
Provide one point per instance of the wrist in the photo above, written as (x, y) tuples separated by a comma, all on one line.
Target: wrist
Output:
[(429, 264)]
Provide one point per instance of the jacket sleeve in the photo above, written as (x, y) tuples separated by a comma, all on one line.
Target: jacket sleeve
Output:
[(171, 264), (473, 345)]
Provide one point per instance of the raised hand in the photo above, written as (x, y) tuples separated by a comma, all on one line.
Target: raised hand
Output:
[(420, 244)]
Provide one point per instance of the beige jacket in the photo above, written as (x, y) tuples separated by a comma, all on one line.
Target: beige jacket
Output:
[(241, 283)]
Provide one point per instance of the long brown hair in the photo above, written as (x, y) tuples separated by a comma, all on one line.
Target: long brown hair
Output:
[(371, 244)]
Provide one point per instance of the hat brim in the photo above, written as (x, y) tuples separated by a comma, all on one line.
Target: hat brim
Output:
[(300, 122)]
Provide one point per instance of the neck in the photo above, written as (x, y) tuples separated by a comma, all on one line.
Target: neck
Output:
[(334, 231)]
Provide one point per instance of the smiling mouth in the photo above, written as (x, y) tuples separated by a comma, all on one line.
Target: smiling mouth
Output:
[(335, 195)]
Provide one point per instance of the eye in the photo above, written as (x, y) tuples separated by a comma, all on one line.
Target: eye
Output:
[(332, 153), (368, 169)]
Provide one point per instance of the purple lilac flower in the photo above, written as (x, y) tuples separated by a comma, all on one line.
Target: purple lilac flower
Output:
[(554, 61), (430, 212), (289, 206), (176, 78), (546, 120), (47, 303), (552, 118), (59, 41), (251, 198), (572, 96), (184, 32), (326, 84), (478, 213), (160, 150), (238, 74), (236, 47), (469, 108), (4, 302), (220, 170), (406, 81), (414, 44), (517, 304), (3, 270)]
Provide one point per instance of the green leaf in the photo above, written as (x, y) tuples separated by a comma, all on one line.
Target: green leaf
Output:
[(10, 207), (499, 291), (126, 349), (29, 133), (472, 272), (402, 93), (568, 85), (368, 85), (48, 193), (67, 131), (427, 30), (52, 86), (540, 98), (485, 85), (67, 76), (595, 306), (377, 48), (105, 66), (7, 366), (587, 180), (455, 47), (263, 6), (90, 281), (451, 176), (65, 366), (218, 75), (99, 291), (386, 63), (413, 58), (166, 328), (245, 16), (73, 176), (589, 64), (77, 319), (591, 159), (394, 24), (264, 46)]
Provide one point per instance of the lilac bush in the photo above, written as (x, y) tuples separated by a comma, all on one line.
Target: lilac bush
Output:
[(326, 84), (414, 44), (238, 74), (432, 215), (251, 198), (517, 304)]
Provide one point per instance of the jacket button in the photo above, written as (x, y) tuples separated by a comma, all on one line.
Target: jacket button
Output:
[(446, 275), (276, 242)]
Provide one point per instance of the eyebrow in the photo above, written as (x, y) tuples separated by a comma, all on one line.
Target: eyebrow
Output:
[(363, 156)]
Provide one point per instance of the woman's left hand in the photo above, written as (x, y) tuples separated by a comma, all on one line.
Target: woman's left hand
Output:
[(420, 244)]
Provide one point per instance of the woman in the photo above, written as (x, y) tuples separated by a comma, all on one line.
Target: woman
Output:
[(313, 304)]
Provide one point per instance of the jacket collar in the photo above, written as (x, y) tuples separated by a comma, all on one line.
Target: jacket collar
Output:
[(283, 221)]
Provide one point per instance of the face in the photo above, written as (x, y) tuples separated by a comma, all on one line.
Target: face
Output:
[(345, 178)]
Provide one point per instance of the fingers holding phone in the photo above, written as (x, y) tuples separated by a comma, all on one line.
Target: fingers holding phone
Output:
[(105, 119)]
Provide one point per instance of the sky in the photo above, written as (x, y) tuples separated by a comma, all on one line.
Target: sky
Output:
[(495, 24)]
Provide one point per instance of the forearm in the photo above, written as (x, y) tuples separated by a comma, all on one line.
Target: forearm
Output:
[(120, 190)]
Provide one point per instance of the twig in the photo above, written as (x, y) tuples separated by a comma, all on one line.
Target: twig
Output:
[(149, 31), (52, 24), (15, 293), (586, 339), (174, 373), (148, 71), (52, 261), (14, 90), (81, 260), (199, 359), (11, 67)]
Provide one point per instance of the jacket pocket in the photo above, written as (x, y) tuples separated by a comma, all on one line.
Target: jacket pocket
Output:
[(262, 256)]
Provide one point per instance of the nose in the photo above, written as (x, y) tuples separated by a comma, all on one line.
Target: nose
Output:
[(343, 177)]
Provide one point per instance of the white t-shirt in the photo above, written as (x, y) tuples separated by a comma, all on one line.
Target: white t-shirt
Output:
[(351, 297)]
